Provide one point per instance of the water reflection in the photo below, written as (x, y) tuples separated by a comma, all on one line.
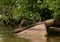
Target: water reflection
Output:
[(1, 38), (52, 38), (11, 38), (5, 36)]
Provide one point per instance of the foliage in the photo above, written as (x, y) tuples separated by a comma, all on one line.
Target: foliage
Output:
[(6, 10), (55, 6), (28, 9), (34, 10)]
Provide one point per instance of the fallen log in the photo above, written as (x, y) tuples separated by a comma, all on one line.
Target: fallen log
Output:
[(54, 30), (24, 28), (47, 23)]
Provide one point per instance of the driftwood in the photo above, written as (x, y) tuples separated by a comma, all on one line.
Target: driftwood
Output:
[(24, 28), (54, 30), (47, 23), (25, 22)]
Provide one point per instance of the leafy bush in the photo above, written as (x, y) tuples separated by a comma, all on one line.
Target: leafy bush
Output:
[(34, 10), (55, 6)]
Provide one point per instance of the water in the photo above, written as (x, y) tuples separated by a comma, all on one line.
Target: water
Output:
[(5, 36), (37, 34), (11, 38), (53, 38)]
